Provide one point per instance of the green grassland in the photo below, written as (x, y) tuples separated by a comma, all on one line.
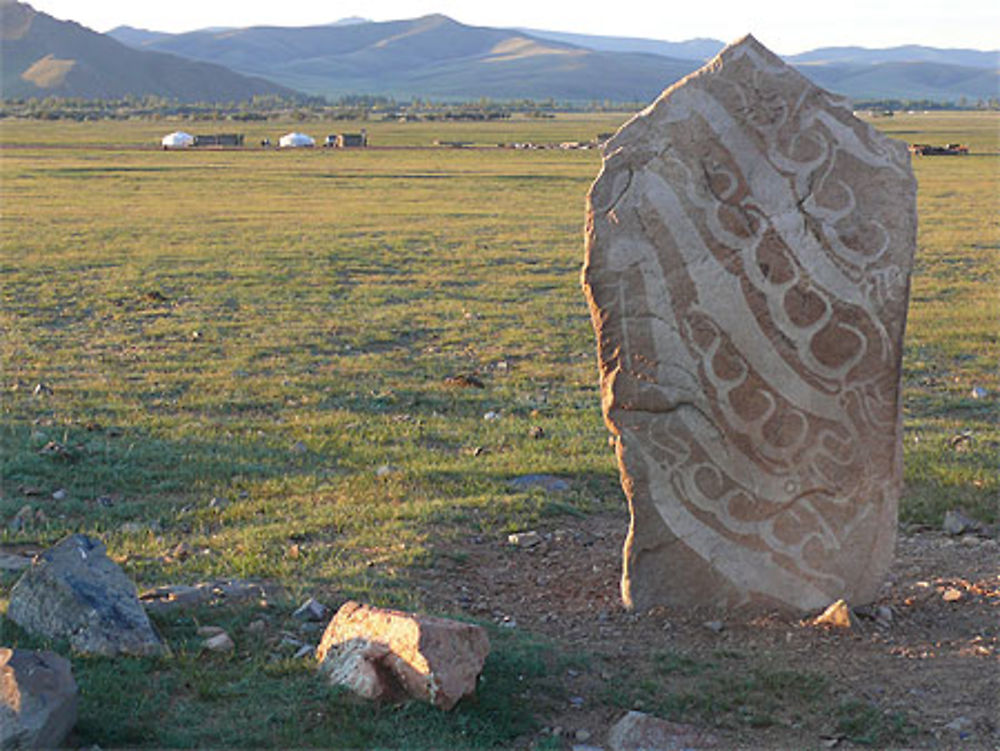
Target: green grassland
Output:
[(274, 329)]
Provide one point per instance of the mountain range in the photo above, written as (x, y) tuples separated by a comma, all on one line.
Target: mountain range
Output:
[(42, 56), (431, 57)]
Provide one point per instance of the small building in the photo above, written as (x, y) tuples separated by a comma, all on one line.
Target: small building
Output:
[(219, 139), (177, 140), (296, 141), (347, 140)]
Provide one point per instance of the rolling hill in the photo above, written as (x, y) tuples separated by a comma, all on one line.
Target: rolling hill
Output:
[(432, 56), (428, 57), (42, 56), (435, 56)]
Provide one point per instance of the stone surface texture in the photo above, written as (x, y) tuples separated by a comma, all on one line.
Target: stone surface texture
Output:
[(388, 654), (748, 254), (637, 731), (73, 591), (38, 699)]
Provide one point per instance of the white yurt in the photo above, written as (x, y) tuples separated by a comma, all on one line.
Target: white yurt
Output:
[(177, 140), (295, 141)]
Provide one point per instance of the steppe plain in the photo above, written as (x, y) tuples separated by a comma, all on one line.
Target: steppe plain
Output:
[(236, 363)]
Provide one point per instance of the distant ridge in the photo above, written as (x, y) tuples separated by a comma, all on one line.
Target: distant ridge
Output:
[(42, 56), (437, 57), (431, 57)]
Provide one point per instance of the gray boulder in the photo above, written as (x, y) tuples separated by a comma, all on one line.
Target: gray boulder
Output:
[(38, 699), (73, 591)]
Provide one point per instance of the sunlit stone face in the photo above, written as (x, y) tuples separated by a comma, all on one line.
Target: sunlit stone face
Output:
[(749, 246)]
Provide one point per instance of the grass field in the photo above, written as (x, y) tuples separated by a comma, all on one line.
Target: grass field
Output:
[(274, 330)]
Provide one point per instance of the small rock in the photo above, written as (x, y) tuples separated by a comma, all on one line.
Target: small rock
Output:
[(38, 699), (306, 650), (951, 595), (714, 626), (299, 448), (491, 416), (508, 621), (576, 702), (536, 431), (524, 539), (837, 615), (257, 627), (957, 522), (218, 503), (59, 495), (883, 615), (195, 336), (219, 643), (978, 392), (294, 551), (310, 610), (582, 735), (207, 631), (384, 470), (637, 730), (42, 389)]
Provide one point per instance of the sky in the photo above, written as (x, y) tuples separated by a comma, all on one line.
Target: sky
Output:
[(786, 26)]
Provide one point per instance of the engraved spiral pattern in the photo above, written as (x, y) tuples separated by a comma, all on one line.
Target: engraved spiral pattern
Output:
[(749, 246)]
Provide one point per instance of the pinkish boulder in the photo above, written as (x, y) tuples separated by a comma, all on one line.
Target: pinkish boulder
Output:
[(385, 654), (38, 699), (749, 249)]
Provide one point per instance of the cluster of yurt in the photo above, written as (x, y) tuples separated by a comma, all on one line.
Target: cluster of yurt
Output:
[(181, 140)]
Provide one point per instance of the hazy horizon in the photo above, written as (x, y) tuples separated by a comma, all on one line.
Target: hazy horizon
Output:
[(784, 27)]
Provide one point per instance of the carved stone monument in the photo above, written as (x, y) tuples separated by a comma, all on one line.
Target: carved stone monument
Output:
[(749, 247)]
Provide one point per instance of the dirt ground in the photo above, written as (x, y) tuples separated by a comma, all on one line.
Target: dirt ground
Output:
[(933, 659)]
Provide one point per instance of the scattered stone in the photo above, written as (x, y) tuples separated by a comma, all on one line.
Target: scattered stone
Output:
[(749, 249), (837, 615), (637, 731), (207, 631), (465, 381), (491, 416), (218, 503), (60, 495), (951, 594), (38, 699), (306, 650), (179, 596), (42, 389), (536, 432), (549, 483), (883, 615), (385, 470), (310, 610), (524, 539), (978, 392), (379, 653), (73, 591), (221, 642), (714, 626), (957, 522), (582, 735)]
